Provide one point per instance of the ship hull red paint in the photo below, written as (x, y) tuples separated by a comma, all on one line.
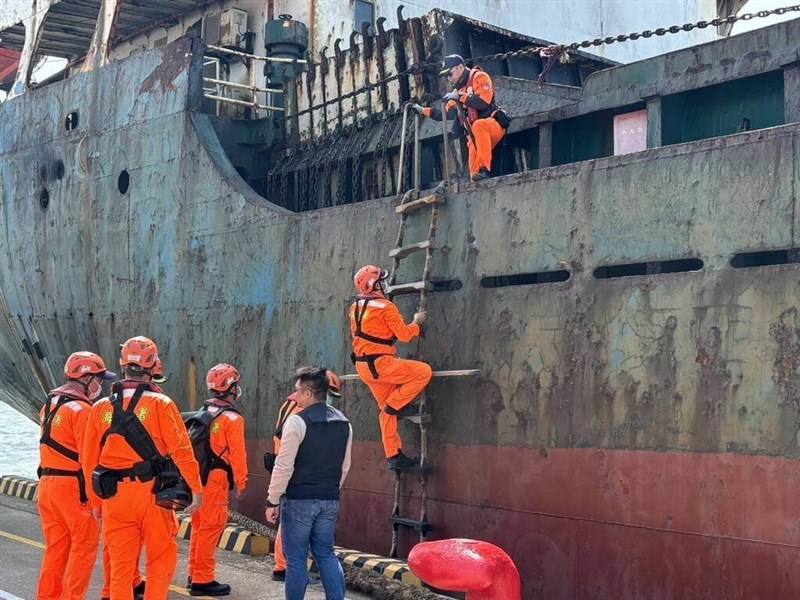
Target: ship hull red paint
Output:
[(598, 523)]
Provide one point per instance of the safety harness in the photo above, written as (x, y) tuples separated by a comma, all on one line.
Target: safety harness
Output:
[(370, 359), (47, 439), (474, 114), (170, 490), (125, 423), (284, 413), (199, 427)]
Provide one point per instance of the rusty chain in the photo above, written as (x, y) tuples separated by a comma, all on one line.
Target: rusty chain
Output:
[(647, 33), (559, 49)]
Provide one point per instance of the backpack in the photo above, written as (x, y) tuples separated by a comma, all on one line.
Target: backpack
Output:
[(198, 425)]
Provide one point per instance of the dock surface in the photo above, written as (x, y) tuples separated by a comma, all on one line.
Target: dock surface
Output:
[(21, 554)]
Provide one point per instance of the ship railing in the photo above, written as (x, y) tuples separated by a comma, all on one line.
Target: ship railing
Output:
[(218, 87)]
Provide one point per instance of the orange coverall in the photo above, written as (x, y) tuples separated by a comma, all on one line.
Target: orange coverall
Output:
[(288, 409), (71, 534), (476, 96), (208, 523), (137, 575), (399, 381), (131, 518)]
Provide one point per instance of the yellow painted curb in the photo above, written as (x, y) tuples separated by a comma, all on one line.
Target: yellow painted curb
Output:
[(390, 568), (234, 538)]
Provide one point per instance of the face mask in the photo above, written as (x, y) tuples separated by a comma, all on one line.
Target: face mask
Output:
[(238, 392), (329, 400), (95, 389)]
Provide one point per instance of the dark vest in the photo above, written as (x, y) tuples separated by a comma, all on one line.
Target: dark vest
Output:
[(318, 465)]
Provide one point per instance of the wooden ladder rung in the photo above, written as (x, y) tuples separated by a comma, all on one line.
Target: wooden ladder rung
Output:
[(404, 251), (409, 288), (423, 419), (410, 207), (452, 373)]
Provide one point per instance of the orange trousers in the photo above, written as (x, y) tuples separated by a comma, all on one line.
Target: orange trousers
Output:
[(280, 557), (137, 575), (487, 133), (208, 523), (398, 384), (131, 519), (71, 538)]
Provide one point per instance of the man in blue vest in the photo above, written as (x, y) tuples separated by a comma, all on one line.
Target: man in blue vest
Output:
[(309, 471)]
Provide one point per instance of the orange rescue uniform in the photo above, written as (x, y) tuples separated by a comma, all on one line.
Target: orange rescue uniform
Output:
[(376, 323), (289, 408), (477, 98), (137, 574), (228, 443), (132, 518), (71, 534)]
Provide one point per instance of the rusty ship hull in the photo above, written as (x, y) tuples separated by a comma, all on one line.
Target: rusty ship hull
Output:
[(633, 433)]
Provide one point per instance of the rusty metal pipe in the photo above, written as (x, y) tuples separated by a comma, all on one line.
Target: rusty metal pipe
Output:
[(402, 148), (417, 153), (242, 86), (242, 102)]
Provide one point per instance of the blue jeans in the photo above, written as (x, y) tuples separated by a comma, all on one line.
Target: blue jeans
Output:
[(304, 523)]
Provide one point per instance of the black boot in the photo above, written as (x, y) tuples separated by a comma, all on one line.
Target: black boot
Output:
[(138, 591), (482, 173), (279, 575), (401, 462), (410, 410), (212, 588)]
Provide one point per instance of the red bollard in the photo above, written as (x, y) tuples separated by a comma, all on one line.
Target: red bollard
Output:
[(481, 569)]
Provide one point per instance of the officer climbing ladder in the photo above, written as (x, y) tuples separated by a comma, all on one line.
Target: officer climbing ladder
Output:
[(411, 202)]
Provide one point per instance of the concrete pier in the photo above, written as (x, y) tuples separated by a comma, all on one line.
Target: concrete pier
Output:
[(21, 553)]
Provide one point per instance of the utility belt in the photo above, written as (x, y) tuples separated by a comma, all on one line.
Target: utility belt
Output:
[(502, 118), (493, 112), (77, 474), (104, 481), (168, 485), (218, 463), (370, 360)]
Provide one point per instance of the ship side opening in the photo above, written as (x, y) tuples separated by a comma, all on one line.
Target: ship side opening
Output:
[(537, 278), (446, 285), (766, 258), (653, 267)]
